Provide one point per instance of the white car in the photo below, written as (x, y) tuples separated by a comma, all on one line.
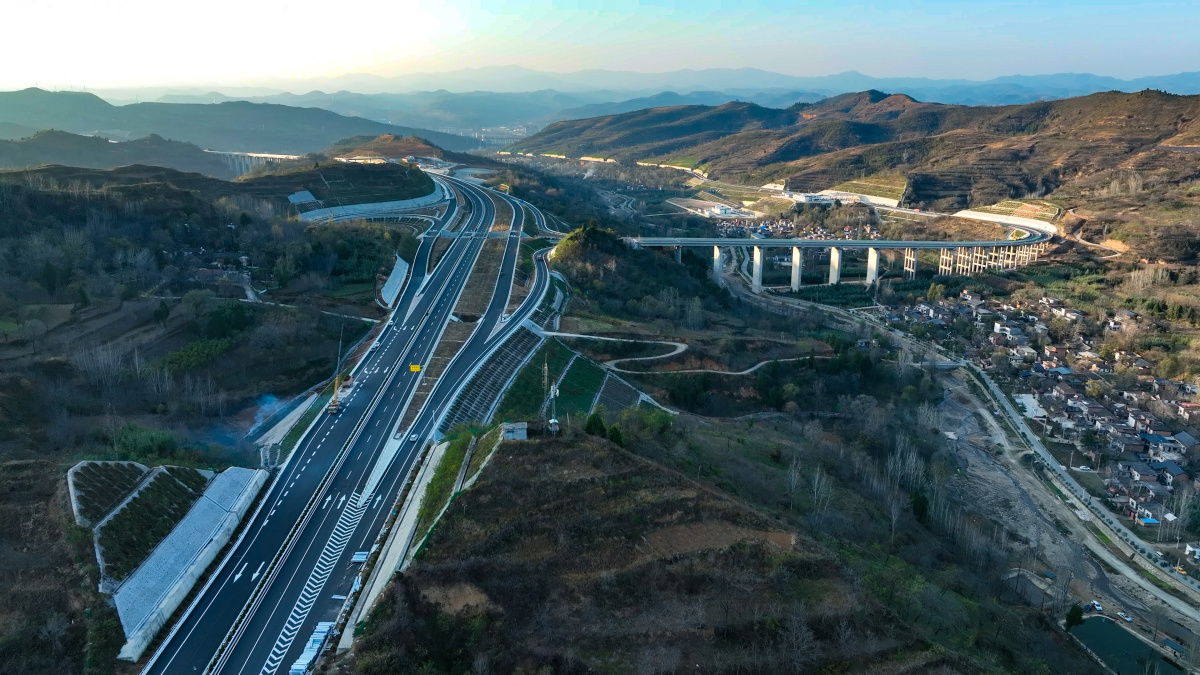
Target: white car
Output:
[(412, 439), (374, 346), (391, 323), (1083, 468), (1097, 606), (1125, 617)]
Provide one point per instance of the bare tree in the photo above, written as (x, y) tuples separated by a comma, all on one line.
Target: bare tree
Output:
[(904, 361), (793, 480), (813, 432), (799, 644), (843, 633), (822, 490), (895, 508), (101, 365), (905, 468), (657, 660), (158, 384)]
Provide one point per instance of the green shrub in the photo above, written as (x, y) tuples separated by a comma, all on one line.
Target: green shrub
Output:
[(195, 354), (595, 426), (148, 446)]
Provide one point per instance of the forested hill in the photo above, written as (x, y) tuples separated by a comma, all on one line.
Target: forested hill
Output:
[(232, 126), (953, 155), (60, 147)]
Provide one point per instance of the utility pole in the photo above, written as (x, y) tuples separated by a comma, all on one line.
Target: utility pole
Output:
[(552, 390)]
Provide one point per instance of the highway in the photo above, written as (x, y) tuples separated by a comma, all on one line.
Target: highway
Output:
[(291, 567)]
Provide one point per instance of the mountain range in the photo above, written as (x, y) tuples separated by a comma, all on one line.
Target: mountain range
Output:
[(953, 156), (93, 152), (518, 79), (445, 110), (470, 100), (238, 126)]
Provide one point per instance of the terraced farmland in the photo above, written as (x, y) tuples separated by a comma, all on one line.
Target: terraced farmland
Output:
[(889, 187), (1034, 208)]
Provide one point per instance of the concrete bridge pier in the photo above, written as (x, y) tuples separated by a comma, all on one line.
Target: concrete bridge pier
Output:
[(718, 265), (910, 263), (835, 265), (797, 267), (979, 260), (946, 262), (678, 254), (756, 285), (872, 265), (962, 261)]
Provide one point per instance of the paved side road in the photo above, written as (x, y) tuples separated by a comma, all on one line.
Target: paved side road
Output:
[(1081, 496)]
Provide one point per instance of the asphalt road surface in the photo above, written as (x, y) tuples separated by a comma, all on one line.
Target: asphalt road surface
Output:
[(291, 568)]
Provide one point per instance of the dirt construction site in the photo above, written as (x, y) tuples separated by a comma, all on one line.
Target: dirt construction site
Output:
[(1063, 562)]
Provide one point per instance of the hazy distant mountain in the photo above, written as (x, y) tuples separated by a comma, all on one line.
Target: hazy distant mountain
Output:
[(13, 132), (445, 110), (233, 125), (515, 79), (670, 98), (90, 152)]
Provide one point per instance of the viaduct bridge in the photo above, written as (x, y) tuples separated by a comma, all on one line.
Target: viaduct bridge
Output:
[(956, 257), (241, 163)]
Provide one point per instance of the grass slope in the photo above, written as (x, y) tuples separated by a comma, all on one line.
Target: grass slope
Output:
[(100, 486), (525, 396), (136, 529)]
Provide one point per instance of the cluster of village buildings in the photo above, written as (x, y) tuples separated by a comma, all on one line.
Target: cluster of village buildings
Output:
[(1138, 432), (786, 229)]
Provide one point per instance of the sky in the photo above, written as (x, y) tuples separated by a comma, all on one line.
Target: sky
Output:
[(82, 44)]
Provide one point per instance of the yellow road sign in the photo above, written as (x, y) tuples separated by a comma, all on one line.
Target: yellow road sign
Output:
[(414, 368)]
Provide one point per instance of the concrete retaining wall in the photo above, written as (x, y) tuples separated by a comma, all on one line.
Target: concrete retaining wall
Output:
[(374, 210), (149, 596), (1016, 221), (395, 282)]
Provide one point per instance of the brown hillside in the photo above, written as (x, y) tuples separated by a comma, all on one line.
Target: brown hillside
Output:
[(955, 156), (578, 556), (387, 145)]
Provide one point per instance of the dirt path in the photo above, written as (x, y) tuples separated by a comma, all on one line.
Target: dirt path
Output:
[(1074, 237), (680, 347)]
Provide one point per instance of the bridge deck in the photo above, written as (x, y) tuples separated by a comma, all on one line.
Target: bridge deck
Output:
[(1032, 238)]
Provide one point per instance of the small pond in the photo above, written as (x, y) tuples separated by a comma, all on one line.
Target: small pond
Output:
[(1119, 649)]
